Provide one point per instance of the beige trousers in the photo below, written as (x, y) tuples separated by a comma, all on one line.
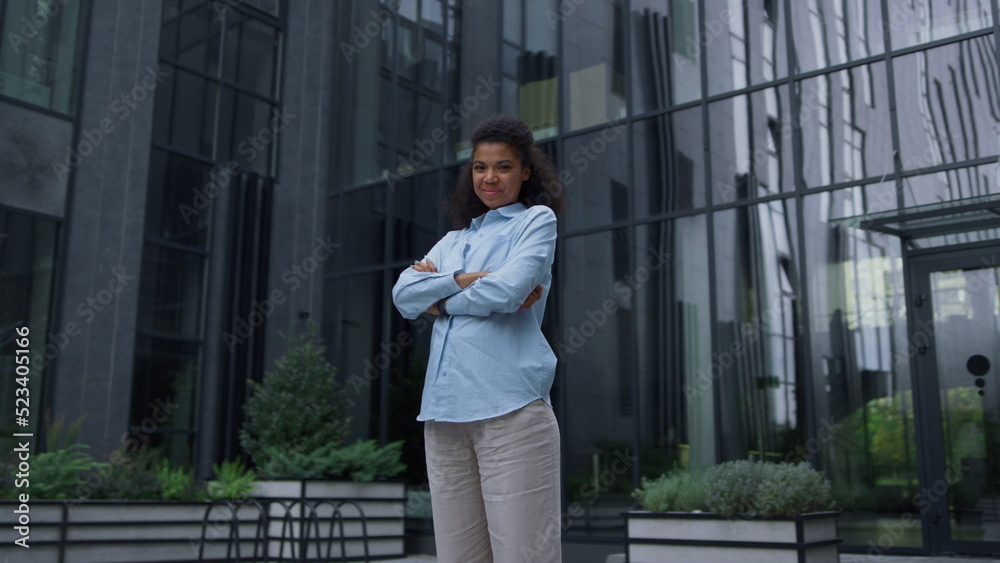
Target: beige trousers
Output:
[(495, 488)]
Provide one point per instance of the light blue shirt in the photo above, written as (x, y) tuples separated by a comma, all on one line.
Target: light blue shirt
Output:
[(488, 357)]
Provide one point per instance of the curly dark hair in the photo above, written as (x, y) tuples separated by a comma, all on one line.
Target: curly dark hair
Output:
[(541, 188)]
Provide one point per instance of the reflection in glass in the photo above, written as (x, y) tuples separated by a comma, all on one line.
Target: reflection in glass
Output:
[(531, 86), (177, 208), (193, 129), (417, 202), (362, 222), (861, 372), (420, 95), (166, 382), (832, 32), (170, 296), (966, 324), (666, 58), (665, 184), (255, 130), (951, 185), (596, 174), (363, 136), (251, 53), (745, 43), (594, 49), (671, 304), (758, 362), (912, 22), (357, 344), (751, 143), (27, 268), (948, 96), (37, 61), (597, 346), (190, 35), (845, 128)]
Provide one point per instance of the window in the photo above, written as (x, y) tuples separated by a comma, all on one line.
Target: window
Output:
[(37, 56), (27, 256)]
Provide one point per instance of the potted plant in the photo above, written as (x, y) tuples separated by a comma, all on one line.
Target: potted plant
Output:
[(740, 511), (296, 432), (134, 507)]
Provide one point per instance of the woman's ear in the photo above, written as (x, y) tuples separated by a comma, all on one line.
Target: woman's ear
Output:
[(526, 174)]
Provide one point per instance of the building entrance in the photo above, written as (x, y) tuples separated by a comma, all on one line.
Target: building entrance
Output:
[(954, 326)]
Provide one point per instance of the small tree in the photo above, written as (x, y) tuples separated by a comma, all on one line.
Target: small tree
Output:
[(299, 408)]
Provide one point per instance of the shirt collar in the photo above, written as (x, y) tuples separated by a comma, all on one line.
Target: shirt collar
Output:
[(508, 211)]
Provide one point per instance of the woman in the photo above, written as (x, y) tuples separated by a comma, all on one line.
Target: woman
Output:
[(492, 441)]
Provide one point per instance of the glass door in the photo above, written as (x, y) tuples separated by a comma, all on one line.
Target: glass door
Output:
[(955, 342)]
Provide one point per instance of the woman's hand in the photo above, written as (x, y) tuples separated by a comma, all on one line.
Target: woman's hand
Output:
[(425, 265), (465, 280), (534, 296)]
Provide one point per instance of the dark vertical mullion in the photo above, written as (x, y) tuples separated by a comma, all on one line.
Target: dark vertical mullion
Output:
[(710, 224), (389, 230), (801, 270), (626, 21), (559, 148), (890, 79)]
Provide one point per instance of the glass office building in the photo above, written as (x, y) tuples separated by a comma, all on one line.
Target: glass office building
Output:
[(781, 243)]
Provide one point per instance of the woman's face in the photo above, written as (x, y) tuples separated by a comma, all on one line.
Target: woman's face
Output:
[(497, 174)]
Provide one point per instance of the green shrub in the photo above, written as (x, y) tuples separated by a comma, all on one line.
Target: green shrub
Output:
[(362, 461), (130, 475), (63, 473), (178, 483), (765, 489), (300, 407), (678, 491), (233, 481)]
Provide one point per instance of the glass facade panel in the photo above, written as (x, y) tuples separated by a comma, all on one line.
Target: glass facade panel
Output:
[(254, 135), (951, 185), (948, 96), (191, 34), (751, 144), (27, 266), (912, 22), (845, 126), (668, 293), (179, 202), (833, 32), (747, 40), (416, 208), (663, 183), (193, 129), (597, 346), (688, 329), (362, 222), (531, 87), (861, 371), (251, 53), (596, 177), (357, 342), (594, 51), (38, 52), (170, 296), (758, 362), (165, 393)]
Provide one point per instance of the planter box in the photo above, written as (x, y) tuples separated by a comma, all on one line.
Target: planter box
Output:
[(681, 536), (383, 504), (116, 531), (78, 531)]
